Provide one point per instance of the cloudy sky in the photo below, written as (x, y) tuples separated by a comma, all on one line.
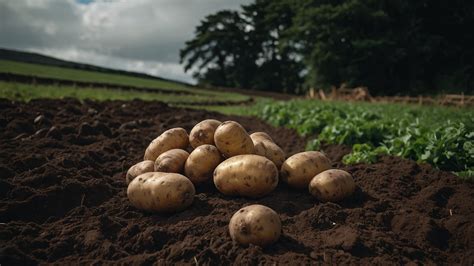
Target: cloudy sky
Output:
[(136, 35)]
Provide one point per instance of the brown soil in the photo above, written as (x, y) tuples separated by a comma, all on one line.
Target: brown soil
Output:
[(63, 199)]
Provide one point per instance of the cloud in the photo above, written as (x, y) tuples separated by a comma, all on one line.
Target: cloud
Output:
[(139, 35)]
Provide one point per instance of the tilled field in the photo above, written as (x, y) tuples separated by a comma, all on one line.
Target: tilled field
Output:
[(63, 198)]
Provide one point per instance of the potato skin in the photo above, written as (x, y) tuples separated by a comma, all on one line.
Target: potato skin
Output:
[(175, 138), (255, 224), (261, 136), (265, 146), (232, 139), (299, 169), (171, 161), (201, 163), (138, 169), (203, 132), (246, 175), (332, 185), (161, 192)]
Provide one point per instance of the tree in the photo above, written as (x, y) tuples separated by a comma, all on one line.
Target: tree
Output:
[(243, 49), (279, 67), (391, 46), (343, 42), (220, 52)]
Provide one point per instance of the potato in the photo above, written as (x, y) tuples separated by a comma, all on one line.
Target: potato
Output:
[(161, 192), (175, 138), (232, 139), (246, 175), (332, 185), (201, 163), (265, 146), (171, 161), (203, 133), (299, 169), (138, 169), (261, 136), (271, 151), (255, 224)]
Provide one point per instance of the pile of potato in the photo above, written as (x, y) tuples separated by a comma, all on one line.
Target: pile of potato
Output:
[(239, 164)]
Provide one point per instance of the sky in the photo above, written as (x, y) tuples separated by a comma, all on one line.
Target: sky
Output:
[(135, 35)]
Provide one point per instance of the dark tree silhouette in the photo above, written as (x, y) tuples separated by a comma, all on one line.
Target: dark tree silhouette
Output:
[(243, 50), (220, 52), (391, 46)]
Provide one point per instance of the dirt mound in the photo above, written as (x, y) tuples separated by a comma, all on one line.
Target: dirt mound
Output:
[(63, 198)]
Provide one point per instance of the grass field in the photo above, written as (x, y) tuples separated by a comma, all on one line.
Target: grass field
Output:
[(91, 76), (26, 92)]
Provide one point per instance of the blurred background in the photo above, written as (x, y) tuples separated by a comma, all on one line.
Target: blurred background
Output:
[(390, 47)]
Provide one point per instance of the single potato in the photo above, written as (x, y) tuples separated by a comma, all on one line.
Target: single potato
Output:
[(332, 185), (261, 136), (161, 192), (175, 138), (255, 224), (138, 169), (232, 139), (201, 163), (246, 175), (171, 161), (299, 169), (265, 146), (203, 133)]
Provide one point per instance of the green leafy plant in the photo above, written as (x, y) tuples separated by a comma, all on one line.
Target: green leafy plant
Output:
[(363, 153), (443, 137), (313, 145)]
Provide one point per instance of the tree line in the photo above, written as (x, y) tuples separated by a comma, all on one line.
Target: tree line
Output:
[(390, 46)]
